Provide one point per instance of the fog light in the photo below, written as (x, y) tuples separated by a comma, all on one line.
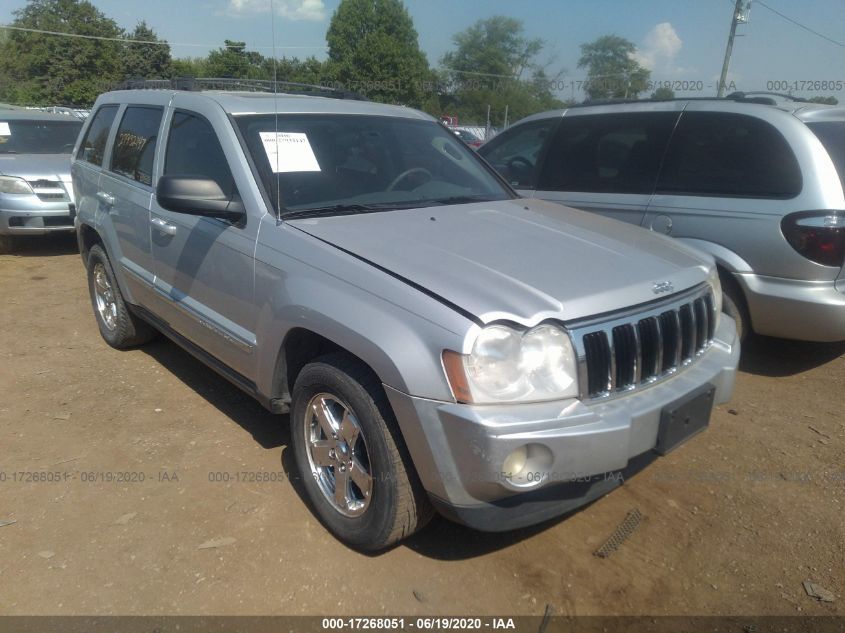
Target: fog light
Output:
[(515, 462), (528, 466)]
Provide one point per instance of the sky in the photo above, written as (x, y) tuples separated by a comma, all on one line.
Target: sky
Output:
[(680, 41)]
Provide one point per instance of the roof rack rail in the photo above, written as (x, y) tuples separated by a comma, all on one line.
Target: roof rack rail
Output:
[(767, 98), (248, 85), (764, 98)]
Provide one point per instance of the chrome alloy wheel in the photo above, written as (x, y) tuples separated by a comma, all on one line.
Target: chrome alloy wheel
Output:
[(337, 454), (104, 296)]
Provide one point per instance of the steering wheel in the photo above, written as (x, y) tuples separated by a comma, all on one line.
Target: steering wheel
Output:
[(518, 163), (408, 172)]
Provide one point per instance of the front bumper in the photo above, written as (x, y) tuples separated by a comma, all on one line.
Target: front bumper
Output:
[(795, 309), (35, 217), (459, 450)]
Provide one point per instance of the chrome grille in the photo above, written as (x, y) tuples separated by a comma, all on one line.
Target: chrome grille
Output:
[(624, 353), (49, 190)]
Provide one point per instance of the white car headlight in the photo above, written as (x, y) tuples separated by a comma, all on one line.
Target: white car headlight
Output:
[(10, 184), (507, 365), (716, 285)]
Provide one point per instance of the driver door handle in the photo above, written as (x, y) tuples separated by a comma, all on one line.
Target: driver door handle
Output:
[(105, 198), (164, 226)]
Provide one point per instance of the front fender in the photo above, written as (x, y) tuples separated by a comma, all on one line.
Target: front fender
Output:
[(399, 331)]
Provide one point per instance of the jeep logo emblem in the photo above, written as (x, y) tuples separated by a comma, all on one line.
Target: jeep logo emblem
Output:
[(662, 286)]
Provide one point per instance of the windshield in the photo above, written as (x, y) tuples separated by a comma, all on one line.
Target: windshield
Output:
[(832, 136), (38, 137), (351, 163)]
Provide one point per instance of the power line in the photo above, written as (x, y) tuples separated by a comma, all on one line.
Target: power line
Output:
[(798, 24), (126, 40)]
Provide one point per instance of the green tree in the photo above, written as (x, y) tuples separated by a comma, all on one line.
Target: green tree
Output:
[(37, 69), (373, 49), (145, 61), (307, 71), (612, 72), (825, 100), (663, 92), (189, 67), (495, 65), (234, 61)]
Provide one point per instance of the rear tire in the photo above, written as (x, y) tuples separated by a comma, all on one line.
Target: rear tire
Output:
[(118, 326), (344, 433)]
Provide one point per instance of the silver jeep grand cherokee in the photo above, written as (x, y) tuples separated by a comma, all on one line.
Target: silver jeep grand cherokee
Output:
[(437, 341)]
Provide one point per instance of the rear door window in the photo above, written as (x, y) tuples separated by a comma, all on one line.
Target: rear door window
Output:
[(515, 153), (729, 155), (135, 143), (832, 136), (93, 146), (608, 153)]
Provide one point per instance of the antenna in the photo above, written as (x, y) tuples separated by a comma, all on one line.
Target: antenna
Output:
[(276, 106)]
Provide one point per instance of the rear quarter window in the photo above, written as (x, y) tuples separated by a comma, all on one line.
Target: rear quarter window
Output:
[(729, 155), (832, 136)]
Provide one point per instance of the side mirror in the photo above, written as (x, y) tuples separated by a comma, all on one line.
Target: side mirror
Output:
[(196, 195)]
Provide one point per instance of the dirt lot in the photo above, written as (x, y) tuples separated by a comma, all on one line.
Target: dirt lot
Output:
[(734, 521)]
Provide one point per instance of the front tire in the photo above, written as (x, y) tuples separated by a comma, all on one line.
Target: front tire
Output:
[(733, 304), (355, 468), (118, 326)]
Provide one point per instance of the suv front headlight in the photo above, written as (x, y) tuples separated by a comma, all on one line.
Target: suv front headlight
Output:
[(716, 286), (507, 365), (11, 184)]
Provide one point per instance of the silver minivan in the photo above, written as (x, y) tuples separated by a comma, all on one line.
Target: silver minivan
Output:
[(36, 195), (752, 180)]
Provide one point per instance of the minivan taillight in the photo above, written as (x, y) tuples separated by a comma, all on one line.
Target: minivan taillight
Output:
[(817, 235)]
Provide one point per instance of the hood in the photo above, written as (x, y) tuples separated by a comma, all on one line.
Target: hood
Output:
[(517, 260), (36, 166)]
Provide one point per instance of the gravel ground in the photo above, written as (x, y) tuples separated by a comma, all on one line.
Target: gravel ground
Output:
[(109, 463)]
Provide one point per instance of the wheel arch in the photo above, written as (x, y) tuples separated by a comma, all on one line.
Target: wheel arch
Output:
[(86, 237)]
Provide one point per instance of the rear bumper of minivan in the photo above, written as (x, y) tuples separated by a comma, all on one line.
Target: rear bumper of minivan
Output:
[(794, 308)]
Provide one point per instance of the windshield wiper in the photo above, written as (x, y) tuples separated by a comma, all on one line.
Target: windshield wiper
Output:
[(465, 199), (348, 209), (7, 151), (353, 208)]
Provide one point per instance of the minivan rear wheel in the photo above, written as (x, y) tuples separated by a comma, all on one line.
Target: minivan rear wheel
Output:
[(118, 326), (355, 469)]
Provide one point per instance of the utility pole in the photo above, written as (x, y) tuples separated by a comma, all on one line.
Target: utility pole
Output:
[(738, 17), (487, 125)]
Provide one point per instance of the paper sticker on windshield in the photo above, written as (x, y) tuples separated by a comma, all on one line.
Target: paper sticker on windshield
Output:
[(4, 129), (289, 151)]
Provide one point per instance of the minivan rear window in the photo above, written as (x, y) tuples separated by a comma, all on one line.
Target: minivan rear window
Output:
[(729, 155), (832, 136)]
